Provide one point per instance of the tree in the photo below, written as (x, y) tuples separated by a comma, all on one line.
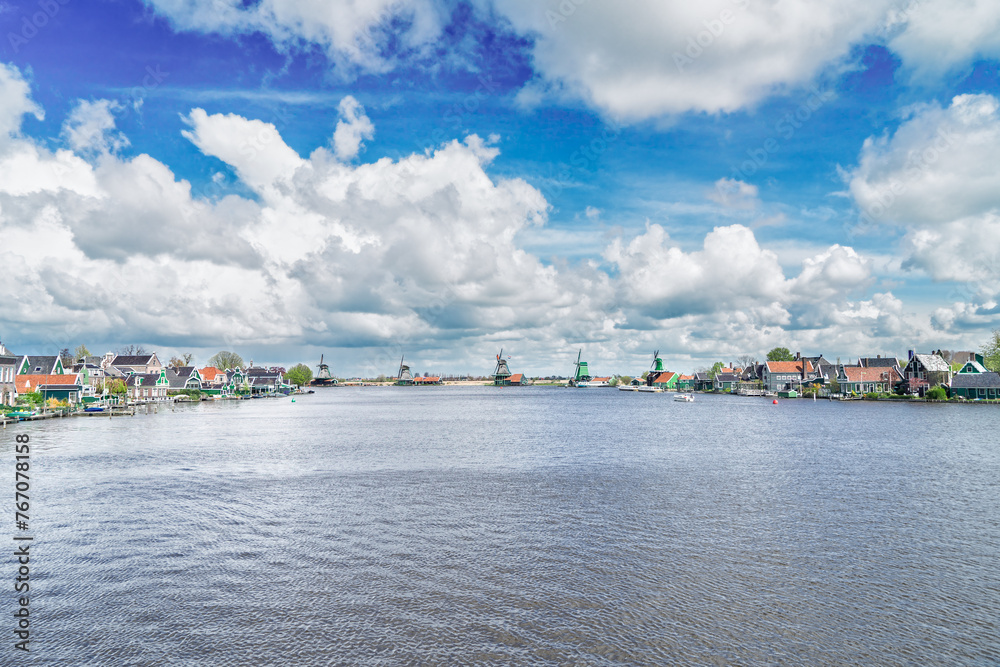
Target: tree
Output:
[(991, 352), (131, 350), (716, 367), (67, 358), (746, 360), (226, 360), (624, 379), (183, 360), (937, 394), (299, 375), (834, 386), (81, 351), (780, 354)]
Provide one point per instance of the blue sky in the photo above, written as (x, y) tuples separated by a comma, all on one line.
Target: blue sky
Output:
[(441, 178)]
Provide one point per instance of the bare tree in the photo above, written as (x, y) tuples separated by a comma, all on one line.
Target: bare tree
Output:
[(746, 360)]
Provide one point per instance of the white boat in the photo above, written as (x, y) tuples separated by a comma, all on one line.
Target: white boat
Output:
[(626, 387), (685, 398), (651, 390)]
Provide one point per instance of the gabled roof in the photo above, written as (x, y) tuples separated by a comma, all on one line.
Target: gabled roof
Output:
[(28, 383), (878, 362), (727, 377), (178, 380), (133, 360), (142, 380), (685, 377), (9, 361), (931, 362), (788, 366), (41, 365), (516, 377), (861, 374), (665, 377), (4, 352), (974, 366), (987, 380), (208, 373)]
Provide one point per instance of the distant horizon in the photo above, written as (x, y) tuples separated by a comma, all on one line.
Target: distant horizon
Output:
[(448, 179)]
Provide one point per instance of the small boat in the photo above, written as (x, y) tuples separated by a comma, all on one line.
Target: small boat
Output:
[(684, 398), (650, 390), (93, 409), (626, 387), (20, 414)]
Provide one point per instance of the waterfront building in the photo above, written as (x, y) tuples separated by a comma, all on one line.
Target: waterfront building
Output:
[(782, 375), (866, 380), (60, 386), (8, 370), (924, 371), (975, 381)]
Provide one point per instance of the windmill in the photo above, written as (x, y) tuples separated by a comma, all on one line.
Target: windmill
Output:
[(403, 377), (655, 369), (323, 376), (501, 375), (582, 375)]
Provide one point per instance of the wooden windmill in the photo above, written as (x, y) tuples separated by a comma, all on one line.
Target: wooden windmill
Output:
[(655, 369), (501, 375), (582, 376), (404, 377)]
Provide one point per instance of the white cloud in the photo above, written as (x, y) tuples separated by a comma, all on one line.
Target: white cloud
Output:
[(936, 179), (353, 32), (352, 128), (15, 101), (91, 127), (732, 193), (253, 148)]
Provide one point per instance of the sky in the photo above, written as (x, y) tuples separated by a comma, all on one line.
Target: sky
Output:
[(440, 179)]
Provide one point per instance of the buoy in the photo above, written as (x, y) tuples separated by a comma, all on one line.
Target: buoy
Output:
[(775, 401), (293, 400)]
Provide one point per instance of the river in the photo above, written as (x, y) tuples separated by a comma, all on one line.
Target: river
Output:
[(454, 525)]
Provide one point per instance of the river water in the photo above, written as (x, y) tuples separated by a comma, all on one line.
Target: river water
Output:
[(445, 525)]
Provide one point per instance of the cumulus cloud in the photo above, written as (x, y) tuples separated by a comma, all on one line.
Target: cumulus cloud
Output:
[(421, 251), (354, 33), (935, 178), (15, 101), (733, 193), (352, 128), (90, 127)]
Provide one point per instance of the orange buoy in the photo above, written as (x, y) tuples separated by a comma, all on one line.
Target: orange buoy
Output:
[(775, 401)]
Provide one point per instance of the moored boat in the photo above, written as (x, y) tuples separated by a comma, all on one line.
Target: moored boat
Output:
[(684, 398)]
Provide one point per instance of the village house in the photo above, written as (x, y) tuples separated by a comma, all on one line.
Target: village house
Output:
[(726, 381), (147, 386), (8, 370), (666, 380), (785, 375), (685, 382), (862, 380), (924, 371), (183, 377), (974, 381), (60, 386)]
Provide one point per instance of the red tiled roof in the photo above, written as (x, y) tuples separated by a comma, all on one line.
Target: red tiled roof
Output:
[(428, 379), (686, 377), (664, 377), (607, 379), (25, 384), (871, 374), (516, 377), (788, 366), (208, 373)]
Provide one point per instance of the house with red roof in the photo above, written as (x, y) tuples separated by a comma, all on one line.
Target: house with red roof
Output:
[(783, 375), (866, 380), (66, 387)]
